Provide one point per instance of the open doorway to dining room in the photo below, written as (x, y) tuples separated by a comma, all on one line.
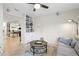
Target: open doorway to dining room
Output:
[(12, 32)]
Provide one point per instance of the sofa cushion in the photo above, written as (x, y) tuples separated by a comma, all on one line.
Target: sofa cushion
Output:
[(73, 43), (65, 50), (77, 47), (66, 41)]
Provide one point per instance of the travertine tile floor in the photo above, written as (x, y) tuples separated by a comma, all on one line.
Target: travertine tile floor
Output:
[(13, 47), (26, 52)]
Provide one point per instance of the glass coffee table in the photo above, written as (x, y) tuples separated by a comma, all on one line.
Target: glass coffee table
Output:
[(38, 47)]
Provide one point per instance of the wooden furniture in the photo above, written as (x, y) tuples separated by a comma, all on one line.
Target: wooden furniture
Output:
[(38, 47)]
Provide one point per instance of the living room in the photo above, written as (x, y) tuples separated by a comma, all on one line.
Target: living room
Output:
[(47, 24)]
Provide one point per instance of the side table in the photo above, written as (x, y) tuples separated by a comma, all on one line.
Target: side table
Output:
[(38, 47)]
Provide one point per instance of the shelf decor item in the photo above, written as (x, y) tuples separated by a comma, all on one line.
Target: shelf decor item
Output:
[(29, 24)]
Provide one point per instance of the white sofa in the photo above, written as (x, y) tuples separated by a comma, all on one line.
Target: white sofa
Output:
[(67, 48)]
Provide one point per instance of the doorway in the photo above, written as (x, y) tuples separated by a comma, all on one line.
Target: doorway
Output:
[(13, 38), (15, 30)]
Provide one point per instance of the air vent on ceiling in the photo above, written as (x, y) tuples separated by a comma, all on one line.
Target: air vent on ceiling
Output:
[(8, 10), (16, 9), (57, 13)]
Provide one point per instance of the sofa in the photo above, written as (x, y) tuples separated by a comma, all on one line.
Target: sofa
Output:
[(67, 47)]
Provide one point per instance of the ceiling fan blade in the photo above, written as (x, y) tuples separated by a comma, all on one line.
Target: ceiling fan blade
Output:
[(44, 6), (31, 3)]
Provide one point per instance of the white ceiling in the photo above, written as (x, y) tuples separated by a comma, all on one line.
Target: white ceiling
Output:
[(24, 8)]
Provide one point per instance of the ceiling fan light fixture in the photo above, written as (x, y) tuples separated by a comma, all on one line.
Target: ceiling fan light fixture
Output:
[(37, 6)]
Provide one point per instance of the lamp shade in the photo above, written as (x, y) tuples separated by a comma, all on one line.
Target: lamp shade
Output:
[(70, 20)]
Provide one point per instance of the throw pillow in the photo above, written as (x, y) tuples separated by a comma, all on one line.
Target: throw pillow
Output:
[(66, 41)]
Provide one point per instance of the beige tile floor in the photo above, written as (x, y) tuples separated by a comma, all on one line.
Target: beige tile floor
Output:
[(13, 47)]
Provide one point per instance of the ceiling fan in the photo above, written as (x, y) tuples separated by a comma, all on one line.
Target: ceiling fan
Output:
[(38, 5)]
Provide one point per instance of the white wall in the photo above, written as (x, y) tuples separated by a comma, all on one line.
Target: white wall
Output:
[(1, 26), (52, 26), (18, 20), (26, 37)]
